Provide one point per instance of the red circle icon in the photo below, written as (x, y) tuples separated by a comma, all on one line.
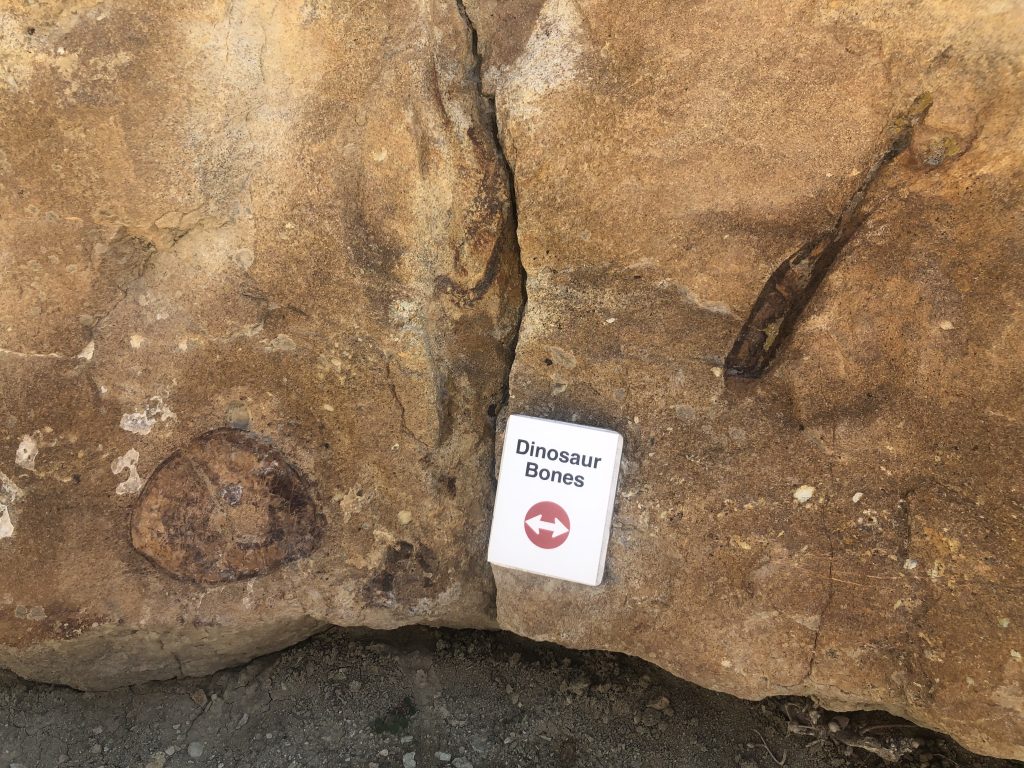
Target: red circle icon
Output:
[(547, 525)]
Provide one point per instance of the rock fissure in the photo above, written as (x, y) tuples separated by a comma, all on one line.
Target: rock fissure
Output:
[(490, 113), (827, 603)]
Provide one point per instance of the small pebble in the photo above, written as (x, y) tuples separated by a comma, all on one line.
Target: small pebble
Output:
[(409, 760), (195, 749), (444, 757), (661, 703), (804, 493)]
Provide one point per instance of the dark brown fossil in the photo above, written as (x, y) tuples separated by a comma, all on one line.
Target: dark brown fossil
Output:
[(793, 283), (227, 506)]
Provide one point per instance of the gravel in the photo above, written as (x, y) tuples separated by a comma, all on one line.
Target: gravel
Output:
[(433, 699)]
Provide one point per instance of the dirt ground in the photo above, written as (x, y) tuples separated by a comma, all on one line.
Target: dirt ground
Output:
[(436, 698)]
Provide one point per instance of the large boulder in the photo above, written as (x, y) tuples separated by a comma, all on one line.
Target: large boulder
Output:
[(258, 287), (848, 525)]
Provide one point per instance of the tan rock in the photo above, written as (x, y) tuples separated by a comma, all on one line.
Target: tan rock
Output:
[(282, 217), (260, 285), (668, 157)]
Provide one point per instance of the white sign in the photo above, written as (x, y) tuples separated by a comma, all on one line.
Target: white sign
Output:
[(556, 492)]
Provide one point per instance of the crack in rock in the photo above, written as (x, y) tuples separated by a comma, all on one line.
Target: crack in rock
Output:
[(490, 112)]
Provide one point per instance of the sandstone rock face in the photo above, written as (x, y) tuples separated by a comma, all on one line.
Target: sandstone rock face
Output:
[(258, 293), (260, 290), (848, 526)]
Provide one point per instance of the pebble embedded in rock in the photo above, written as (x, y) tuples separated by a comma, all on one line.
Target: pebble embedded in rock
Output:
[(195, 749), (804, 493)]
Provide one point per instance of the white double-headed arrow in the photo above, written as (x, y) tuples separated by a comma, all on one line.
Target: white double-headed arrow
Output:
[(556, 528)]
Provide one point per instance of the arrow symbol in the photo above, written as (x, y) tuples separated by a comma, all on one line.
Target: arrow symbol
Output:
[(556, 529)]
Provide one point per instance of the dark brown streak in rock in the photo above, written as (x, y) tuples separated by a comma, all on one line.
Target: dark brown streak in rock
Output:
[(507, 242), (472, 295), (793, 283)]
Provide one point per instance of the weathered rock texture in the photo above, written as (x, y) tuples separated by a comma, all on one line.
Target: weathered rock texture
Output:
[(259, 295), (668, 156), (284, 220)]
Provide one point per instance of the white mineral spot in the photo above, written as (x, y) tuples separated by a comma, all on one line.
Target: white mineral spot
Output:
[(127, 463), (726, 663), (804, 493), (143, 421), (328, 407), (138, 423), (717, 372), (28, 449), (909, 564), (857, 497), (610, 320), (1004, 623), (136, 340), (946, 325), (183, 345), (1015, 655), (87, 353), (405, 517), (9, 493)]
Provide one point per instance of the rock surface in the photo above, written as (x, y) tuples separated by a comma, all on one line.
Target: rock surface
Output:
[(260, 255), (260, 288), (849, 526)]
